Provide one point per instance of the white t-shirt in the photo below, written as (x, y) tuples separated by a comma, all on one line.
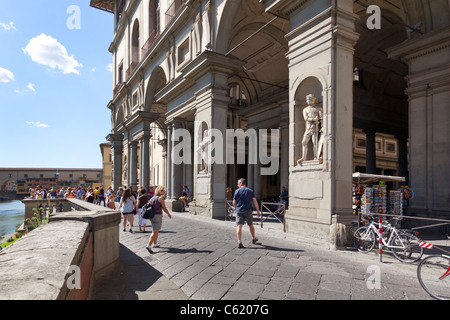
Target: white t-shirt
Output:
[(129, 205)]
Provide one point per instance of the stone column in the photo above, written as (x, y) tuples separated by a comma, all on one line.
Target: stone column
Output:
[(371, 152), (257, 177), (284, 152), (144, 179), (402, 150), (428, 91), (132, 165), (169, 162), (321, 53), (176, 169), (211, 113), (117, 154)]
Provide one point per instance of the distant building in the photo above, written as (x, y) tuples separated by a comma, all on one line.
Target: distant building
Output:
[(21, 180)]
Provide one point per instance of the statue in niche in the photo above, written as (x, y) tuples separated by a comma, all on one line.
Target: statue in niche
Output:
[(203, 148), (125, 170), (313, 118)]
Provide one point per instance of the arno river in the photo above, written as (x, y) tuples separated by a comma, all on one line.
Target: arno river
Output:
[(12, 214)]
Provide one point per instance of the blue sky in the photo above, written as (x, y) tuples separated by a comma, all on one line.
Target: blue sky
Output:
[(55, 83)]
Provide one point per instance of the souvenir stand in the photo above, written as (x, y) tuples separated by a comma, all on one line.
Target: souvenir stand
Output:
[(370, 194)]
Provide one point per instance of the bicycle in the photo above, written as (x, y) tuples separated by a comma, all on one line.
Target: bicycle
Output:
[(433, 273), (405, 246)]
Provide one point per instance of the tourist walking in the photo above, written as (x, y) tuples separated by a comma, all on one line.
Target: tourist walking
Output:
[(158, 203), (101, 197), (119, 194), (141, 201), (128, 207), (243, 200)]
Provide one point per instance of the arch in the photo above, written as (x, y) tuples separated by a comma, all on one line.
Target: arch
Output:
[(135, 43), (225, 29), (157, 81)]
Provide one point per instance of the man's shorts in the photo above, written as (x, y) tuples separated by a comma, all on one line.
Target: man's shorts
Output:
[(243, 217)]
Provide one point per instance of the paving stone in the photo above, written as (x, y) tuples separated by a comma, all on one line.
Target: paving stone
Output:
[(205, 264)]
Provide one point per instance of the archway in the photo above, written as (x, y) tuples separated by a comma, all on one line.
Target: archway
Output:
[(380, 104), (259, 92)]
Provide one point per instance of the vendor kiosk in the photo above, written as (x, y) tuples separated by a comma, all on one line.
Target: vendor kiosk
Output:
[(371, 194)]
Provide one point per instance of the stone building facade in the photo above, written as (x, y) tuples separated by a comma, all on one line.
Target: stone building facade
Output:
[(246, 64)]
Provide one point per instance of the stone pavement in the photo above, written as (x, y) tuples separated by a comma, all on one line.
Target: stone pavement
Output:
[(199, 260)]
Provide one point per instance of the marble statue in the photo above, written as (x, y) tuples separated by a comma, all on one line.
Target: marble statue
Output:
[(203, 148), (313, 117)]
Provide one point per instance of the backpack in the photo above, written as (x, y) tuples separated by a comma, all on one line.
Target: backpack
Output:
[(148, 211)]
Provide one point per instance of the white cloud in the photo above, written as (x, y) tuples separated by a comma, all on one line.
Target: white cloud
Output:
[(109, 67), (30, 86), (47, 51), (6, 75), (38, 124), (7, 26)]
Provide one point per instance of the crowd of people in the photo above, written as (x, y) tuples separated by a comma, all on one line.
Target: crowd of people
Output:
[(130, 204)]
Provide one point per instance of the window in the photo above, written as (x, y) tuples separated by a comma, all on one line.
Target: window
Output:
[(360, 143), (120, 75), (155, 17), (184, 52), (135, 44), (379, 145), (391, 147)]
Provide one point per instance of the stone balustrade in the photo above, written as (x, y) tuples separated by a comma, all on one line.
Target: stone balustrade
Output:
[(60, 260)]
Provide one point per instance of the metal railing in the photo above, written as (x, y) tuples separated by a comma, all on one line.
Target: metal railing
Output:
[(275, 209), (173, 10), (149, 43), (268, 210)]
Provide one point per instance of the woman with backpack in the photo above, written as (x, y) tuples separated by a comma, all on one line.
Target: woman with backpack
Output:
[(159, 206)]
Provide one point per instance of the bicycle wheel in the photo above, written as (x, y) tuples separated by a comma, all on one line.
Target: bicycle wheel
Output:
[(433, 274), (364, 239), (406, 247)]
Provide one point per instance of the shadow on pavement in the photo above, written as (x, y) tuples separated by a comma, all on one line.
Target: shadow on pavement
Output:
[(134, 279)]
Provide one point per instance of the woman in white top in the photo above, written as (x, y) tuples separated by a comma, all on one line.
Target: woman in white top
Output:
[(127, 206)]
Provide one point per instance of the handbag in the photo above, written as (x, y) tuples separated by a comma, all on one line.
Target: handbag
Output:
[(148, 211)]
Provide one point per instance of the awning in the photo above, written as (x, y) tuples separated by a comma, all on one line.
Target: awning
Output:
[(369, 178), (106, 5)]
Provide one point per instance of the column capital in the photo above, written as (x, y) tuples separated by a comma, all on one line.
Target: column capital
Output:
[(370, 131), (114, 137)]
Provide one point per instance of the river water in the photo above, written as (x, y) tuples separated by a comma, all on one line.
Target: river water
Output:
[(12, 214)]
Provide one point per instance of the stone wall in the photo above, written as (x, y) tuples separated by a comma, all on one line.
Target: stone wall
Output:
[(60, 260)]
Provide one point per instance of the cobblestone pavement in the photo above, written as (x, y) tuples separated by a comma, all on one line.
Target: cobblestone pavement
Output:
[(199, 260)]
